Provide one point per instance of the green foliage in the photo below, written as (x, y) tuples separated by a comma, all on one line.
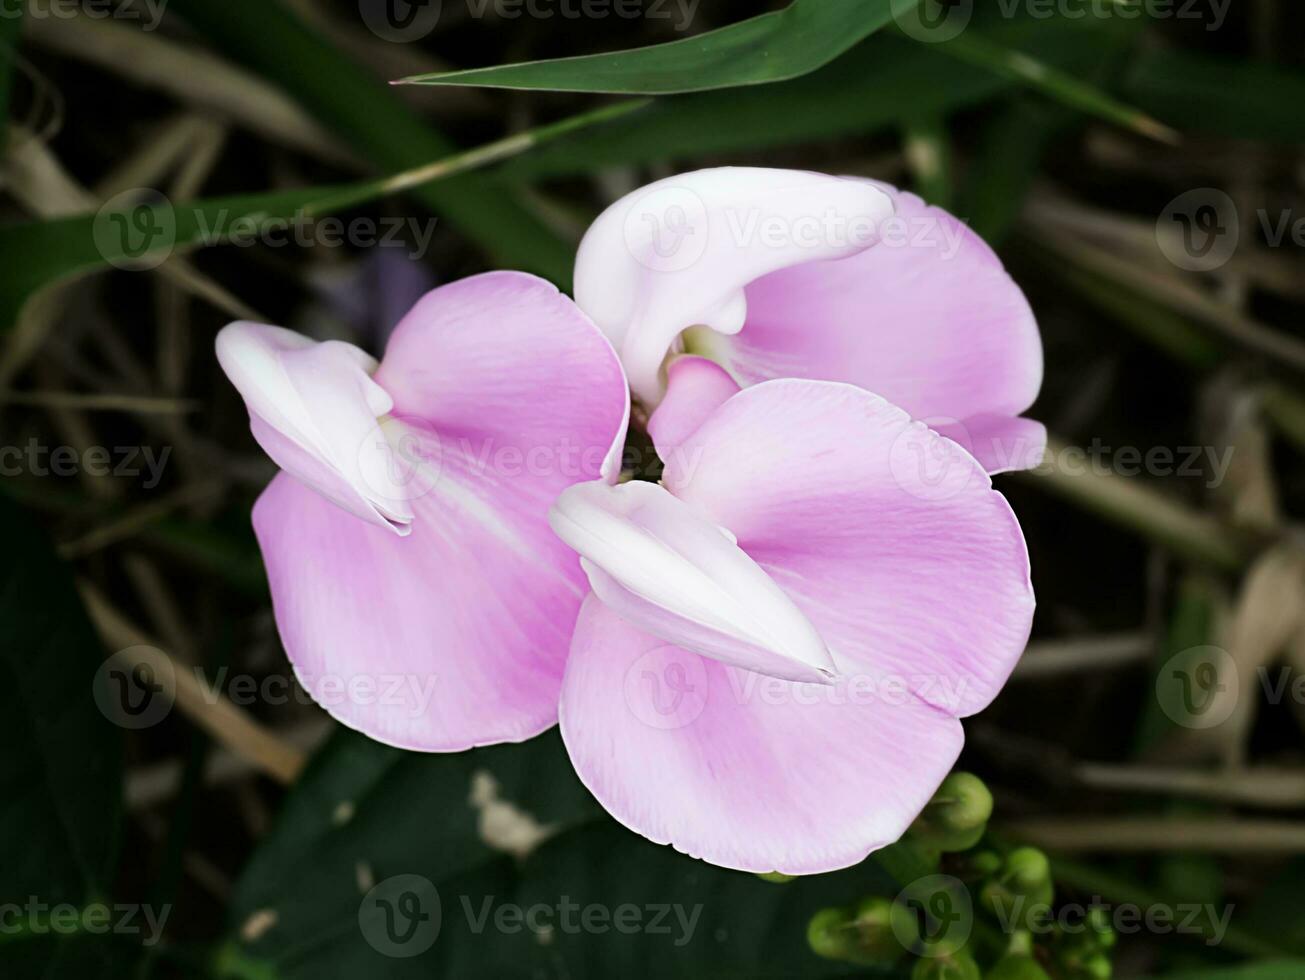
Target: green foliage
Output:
[(61, 771)]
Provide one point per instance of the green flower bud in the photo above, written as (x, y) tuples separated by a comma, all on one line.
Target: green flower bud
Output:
[(957, 816), (1023, 891), (959, 965), (829, 934), (1017, 966), (1103, 932), (1098, 967), (868, 936), (1028, 872), (985, 863), (882, 926)]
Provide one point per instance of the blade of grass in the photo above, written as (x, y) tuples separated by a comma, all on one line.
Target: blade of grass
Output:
[(1055, 84), (885, 81), (782, 44), (39, 253), (1241, 99)]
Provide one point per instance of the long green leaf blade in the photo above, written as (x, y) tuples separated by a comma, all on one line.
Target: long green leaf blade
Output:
[(804, 36)]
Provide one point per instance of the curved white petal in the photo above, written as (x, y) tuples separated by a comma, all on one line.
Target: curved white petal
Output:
[(316, 411), (665, 568), (679, 252)]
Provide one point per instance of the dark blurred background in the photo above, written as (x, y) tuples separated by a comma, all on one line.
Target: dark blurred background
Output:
[(1139, 167)]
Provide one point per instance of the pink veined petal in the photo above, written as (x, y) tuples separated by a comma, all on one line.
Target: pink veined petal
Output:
[(512, 372), (927, 318), (742, 770), (999, 443), (457, 634), (887, 535), (662, 566), (314, 409), (678, 252), (695, 387)]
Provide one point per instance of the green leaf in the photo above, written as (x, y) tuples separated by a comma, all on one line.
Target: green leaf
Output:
[(885, 81), (1060, 86), (61, 771), (1222, 96), (782, 44), (1006, 162), (363, 810), (365, 805), (370, 119)]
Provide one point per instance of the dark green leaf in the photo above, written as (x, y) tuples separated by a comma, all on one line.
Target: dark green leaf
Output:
[(61, 770), (1222, 96), (366, 809), (883, 82)]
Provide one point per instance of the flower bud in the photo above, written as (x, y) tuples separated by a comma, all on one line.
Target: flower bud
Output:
[(881, 926), (959, 965), (1017, 966), (956, 817), (829, 934), (870, 935), (1022, 890)]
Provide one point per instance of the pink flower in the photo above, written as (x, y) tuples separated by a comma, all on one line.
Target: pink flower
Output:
[(782, 636), (418, 590), (782, 273)]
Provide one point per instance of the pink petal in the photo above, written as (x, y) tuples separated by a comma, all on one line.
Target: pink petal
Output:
[(887, 535), (458, 633), (927, 318), (665, 568), (1000, 444), (678, 252), (742, 770), (510, 370), (695, 387)]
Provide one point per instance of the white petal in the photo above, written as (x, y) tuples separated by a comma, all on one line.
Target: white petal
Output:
[(677, 253), (670, 571), (317, 412)]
